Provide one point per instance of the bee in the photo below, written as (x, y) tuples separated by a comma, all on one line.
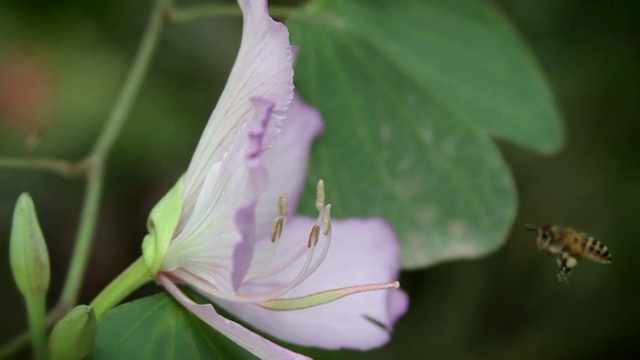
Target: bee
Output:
[(570, 244)]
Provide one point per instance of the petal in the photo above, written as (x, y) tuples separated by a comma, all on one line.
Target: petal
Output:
[(215, 240), (254, 343), (263, 69), (362, 252), (287, 162)]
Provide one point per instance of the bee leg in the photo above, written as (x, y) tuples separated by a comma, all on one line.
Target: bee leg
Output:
[(566, 263)]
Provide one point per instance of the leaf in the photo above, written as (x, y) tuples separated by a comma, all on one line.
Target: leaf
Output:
[(464, 52), (159, 328), (410, 92)]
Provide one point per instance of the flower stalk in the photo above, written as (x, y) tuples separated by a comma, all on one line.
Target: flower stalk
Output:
[(136, 275), (29, 260)]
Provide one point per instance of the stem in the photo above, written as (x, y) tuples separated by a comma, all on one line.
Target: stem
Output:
[(12, 347), (61, 167), (37, 313), (95, 170), (136, 275), (191, 13), (132, 84), (82, 248), (104, 143)]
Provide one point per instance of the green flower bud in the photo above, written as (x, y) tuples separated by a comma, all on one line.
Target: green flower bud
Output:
[(162, 224), (30, 266), (28, 251), (72, 338)]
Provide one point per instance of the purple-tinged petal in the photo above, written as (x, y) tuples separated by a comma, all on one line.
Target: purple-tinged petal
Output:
[(249, 340), (287, 162), (362, 252), (215, 240), (263, 69)]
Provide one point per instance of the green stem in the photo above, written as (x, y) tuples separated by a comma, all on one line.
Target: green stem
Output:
[(104, 143), (86, 229), (133, 82), (136, 275), (37, 313), (10, 349), (191, 13), (95, 170), (61, 167)]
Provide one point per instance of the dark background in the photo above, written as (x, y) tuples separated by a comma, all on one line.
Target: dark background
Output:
[(66, 60)]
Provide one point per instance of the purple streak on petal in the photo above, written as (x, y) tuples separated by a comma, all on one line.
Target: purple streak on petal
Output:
[(362, 252), (245, 214), (264, 69), (249, 340), (216, 241), (287, 162)]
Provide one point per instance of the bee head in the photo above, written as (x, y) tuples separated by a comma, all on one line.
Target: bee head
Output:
[(544, 235)]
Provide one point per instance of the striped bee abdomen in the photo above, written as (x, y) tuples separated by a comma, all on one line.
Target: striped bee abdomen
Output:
[(595, 250)]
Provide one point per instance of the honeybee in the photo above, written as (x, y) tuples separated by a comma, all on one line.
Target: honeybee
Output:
[(569, 244)]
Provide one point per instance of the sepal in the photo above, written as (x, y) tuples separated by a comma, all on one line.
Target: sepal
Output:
[(162, 223), (73, 337)]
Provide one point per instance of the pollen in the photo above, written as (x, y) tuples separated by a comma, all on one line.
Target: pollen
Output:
[(276, 230), (326, 221), (282, 205), (314, 236), (278, 223), (320, 196)]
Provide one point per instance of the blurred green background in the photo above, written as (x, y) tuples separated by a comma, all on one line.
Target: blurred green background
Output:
[(61, 64)]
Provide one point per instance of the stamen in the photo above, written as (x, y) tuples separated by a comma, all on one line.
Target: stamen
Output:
[(285, 264), (326, 222), (313, 236), (310, 266), (323, 297), (278, 224), (276, 230), (282, 205), (320, 196), (276, 233), (326, 217), (302, 275)]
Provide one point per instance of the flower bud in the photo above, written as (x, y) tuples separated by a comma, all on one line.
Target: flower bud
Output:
[(28, 251), (72, 338)]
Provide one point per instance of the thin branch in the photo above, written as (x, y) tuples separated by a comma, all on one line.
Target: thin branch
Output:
[(12, 347), (103, 146), (61, 167)]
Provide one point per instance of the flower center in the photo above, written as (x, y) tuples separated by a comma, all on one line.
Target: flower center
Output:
[(309, 266), (271, 297)]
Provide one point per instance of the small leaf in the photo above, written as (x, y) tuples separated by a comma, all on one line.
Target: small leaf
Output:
[(158, 328)]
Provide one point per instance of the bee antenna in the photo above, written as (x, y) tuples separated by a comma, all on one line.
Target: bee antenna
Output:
[(531, 227)]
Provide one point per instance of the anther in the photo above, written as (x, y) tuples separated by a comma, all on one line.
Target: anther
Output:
[(320, 196), (282, 205), (278, 223), (326, 221), (276, 230), (314, 236)]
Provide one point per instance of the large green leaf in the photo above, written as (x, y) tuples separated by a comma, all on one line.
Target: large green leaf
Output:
[(410, 92), (158, 328)]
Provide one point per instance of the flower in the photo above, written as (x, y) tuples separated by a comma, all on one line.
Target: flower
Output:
[(227, 228)]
